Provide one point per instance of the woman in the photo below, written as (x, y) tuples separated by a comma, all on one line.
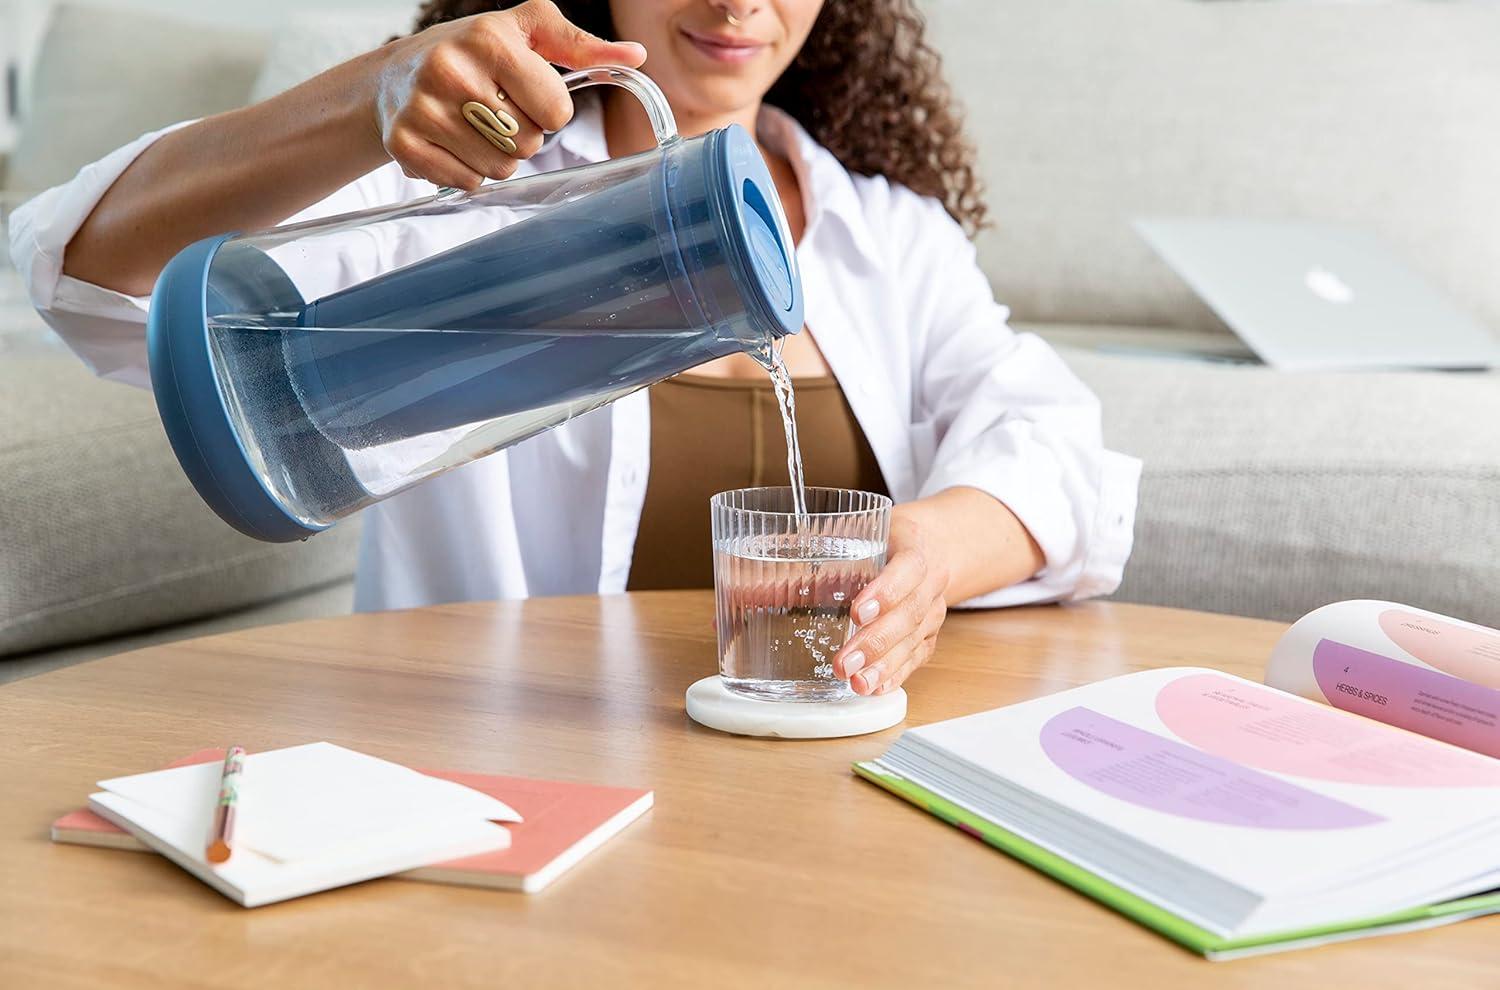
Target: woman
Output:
[(911, 380)]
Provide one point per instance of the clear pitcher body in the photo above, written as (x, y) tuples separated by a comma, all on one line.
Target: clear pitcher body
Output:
[(307, 371)]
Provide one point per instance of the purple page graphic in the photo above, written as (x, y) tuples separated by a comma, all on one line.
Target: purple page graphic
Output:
[(1411, 697), (1164, 775)]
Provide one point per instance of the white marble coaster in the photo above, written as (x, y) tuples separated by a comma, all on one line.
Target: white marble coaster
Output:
[(712, 704)]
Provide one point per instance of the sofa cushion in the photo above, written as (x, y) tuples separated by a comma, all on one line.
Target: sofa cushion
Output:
[(309, 43), (1270, 494), (1088, 114), (105, 76), (100, 532)]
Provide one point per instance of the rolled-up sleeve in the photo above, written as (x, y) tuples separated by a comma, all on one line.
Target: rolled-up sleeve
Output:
[(999, 411), (103, 327)]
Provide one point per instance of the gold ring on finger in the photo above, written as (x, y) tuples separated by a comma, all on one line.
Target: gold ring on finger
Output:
[(498, 127)]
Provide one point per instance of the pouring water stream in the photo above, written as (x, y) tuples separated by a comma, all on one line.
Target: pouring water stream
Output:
[(786, 401)]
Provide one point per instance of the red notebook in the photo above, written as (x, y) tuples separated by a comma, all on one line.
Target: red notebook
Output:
[(562, 824)]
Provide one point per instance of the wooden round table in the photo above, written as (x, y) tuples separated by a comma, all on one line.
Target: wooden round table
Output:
[(764, 862)]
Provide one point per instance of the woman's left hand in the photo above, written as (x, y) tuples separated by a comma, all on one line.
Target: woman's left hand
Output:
[(898, 614)]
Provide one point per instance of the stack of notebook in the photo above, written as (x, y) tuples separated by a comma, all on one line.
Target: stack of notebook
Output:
[(314, 817)]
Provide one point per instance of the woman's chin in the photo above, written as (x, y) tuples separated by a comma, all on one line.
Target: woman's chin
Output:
[(703, 97)]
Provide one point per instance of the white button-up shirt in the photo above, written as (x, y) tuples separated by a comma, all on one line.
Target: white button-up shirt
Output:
[(946, 393)]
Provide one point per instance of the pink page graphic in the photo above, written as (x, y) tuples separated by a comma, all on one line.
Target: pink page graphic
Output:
[(1258, 727), (1164, 775), (1473, 654)]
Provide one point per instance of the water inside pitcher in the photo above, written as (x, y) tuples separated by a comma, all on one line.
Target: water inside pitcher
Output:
[(296, 392)]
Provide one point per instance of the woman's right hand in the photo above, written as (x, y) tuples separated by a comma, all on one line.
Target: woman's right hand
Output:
[(427, 78)]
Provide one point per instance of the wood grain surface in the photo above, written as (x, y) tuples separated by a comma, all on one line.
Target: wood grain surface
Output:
[(764, 862)]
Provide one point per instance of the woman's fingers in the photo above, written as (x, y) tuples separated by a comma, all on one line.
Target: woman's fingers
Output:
[(559, 40), (422, 159), (528, 80), (459, 135), (876, 649), (897, 663), (886, 642), (920, 653), (901, 576)]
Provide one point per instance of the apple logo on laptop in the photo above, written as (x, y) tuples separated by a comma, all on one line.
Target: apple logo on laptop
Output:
[(1327, 286)]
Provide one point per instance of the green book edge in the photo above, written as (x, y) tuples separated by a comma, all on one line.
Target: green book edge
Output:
[(1153, 916)]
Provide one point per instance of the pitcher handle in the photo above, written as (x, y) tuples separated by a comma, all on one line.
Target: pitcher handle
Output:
[(663, 124)]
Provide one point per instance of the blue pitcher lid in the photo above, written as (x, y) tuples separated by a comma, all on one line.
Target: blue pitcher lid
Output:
[(765, 261)]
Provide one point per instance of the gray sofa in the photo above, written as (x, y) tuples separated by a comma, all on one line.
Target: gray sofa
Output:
[(1264, 493)]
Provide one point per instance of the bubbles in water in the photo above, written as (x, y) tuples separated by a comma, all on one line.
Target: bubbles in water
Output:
[(785, 645)]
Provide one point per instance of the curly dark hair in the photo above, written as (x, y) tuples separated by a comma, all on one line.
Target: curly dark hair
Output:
[(863, 84)]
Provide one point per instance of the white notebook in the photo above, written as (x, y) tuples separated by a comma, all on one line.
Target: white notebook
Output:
[(309, 818)]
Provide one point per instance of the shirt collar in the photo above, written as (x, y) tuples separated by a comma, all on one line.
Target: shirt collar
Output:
[(828, 194)]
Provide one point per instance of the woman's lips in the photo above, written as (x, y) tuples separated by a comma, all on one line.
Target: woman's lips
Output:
[(722, 48)]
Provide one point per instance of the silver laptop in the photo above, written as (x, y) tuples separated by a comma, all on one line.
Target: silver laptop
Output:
[(1308, 296)]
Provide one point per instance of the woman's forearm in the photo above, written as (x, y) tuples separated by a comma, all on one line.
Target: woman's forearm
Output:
[(242, 170), (253, 168), (976, 537)]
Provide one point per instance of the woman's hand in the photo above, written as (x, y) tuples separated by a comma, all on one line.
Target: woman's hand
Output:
[(899, 613), (428, 77), (947, 547)]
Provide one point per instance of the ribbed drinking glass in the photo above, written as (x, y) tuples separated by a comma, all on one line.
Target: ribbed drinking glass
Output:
[(784, 585)]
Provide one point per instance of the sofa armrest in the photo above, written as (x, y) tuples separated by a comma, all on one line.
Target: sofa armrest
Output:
[(100, 532)]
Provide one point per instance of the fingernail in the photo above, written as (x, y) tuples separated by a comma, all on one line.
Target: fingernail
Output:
[(870, 679), (853, 662), (866, 613)]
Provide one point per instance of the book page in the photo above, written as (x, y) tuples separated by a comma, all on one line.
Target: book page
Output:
[(1403, 666), (1269, 791)]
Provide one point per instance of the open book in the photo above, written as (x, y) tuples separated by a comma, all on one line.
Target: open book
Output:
[(1357, 792)]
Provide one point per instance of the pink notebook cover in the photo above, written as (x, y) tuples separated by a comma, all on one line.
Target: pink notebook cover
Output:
[(562, 823)]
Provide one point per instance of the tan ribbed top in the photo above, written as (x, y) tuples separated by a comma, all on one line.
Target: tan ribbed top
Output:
[(709, 435)]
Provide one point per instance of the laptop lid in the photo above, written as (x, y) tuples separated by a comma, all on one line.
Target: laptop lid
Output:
[(1308, 296)]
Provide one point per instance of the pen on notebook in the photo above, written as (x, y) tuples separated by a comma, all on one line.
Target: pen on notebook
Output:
[(221, 839)]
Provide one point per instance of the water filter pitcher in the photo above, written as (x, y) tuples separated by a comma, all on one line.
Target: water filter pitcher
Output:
[(295, 393)]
